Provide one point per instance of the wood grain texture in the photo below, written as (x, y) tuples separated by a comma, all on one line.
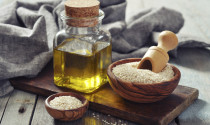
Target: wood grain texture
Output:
[(108, 102), (3, 104), (141, 92), (195, 15), (67, 115), (40, 116), (90, 118), (193, 62), (198, 13), (197, 74), (19, 108)]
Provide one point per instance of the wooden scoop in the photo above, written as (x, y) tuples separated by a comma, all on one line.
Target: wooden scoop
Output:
[(157, 57)]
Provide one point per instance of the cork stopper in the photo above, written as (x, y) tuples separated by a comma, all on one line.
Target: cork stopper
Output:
[(82, 13)]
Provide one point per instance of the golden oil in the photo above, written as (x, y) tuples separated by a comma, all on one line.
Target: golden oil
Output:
[(80, 65)]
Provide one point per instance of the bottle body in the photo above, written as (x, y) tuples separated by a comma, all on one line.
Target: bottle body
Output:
[(81, 58)]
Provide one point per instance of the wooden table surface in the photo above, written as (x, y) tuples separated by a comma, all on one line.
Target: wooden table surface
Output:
[(23, 108)]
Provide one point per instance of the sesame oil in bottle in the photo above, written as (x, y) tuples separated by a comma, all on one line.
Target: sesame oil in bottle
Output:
[(82, 50), (80, 69)]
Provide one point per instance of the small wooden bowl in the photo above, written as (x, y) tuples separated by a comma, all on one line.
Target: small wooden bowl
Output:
[(142, 92), (67, 115)]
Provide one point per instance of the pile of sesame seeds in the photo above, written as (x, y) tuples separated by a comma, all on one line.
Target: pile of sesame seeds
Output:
[(65, 103), (129, 72)]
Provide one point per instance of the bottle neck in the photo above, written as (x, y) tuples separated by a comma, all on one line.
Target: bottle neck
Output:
[(82, 30), (79, 26)]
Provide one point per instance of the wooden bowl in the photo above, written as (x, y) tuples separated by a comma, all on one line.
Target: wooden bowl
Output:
[(67, 115), (142, 92)]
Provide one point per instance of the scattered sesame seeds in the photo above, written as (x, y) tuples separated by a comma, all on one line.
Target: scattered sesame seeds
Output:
[(129, 72), (65, 103)]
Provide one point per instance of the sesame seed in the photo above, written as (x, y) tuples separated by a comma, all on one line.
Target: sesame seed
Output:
[(65, 103), (129, 72)]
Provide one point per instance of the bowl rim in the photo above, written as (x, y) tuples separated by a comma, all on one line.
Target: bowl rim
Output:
[(114, 64), (84, 104)]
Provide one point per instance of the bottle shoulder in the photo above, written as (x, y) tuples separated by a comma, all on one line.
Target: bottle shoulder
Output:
[(104, 35), (99, 36)]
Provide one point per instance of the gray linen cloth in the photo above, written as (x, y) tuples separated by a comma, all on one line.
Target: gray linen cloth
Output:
[(27, 29)]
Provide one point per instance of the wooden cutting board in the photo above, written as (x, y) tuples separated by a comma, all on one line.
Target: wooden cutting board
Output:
[(105, 100)]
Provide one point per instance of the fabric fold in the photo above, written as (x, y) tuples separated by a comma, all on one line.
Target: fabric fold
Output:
[(27, 30)]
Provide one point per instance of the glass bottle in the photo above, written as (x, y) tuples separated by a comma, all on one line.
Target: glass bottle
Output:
[(82, 54)]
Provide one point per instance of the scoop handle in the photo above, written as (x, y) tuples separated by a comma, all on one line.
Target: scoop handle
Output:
[(167, 40)]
